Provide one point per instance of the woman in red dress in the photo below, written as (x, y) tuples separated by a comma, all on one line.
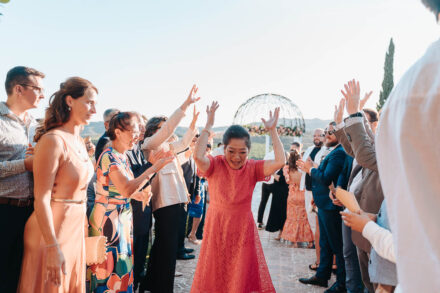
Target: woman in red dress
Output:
[(231, 257)]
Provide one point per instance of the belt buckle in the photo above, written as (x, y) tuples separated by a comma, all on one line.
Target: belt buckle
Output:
[(24, 203)]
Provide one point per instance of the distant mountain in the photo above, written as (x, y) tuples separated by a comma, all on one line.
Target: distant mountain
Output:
[(96, 129)]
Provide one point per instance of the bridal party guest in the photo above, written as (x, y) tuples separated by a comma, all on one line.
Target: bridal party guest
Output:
[(296, 228), (54, 248), (231, 257), (112, 215)]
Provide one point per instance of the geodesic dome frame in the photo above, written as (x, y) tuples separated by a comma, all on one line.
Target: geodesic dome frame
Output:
[(290, 122)]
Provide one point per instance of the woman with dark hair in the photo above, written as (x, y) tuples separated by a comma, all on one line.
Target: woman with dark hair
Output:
[(112, 215), (296, 228), (54, 254), (170, 195), (231, 257)]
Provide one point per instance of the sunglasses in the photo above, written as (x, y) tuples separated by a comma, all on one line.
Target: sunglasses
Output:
[(329, 132)]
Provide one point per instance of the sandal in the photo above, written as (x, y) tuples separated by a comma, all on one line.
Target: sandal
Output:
[(314, 266), (194, 240)]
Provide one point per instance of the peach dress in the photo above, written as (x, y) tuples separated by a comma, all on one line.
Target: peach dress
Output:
[(231, 257), (69, 218), (297, 227)]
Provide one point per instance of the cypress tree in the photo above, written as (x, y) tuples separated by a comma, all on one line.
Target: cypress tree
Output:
[(388, 80)]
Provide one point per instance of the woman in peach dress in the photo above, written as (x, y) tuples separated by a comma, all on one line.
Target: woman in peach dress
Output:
[(54, 255), (296, 228)]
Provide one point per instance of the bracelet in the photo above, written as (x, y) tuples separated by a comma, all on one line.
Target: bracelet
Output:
[(52, 245)]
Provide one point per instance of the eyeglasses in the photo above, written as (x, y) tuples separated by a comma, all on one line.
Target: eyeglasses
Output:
[(38, 89)]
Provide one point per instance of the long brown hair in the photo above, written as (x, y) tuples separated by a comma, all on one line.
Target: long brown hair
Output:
[(293, 158), (58, 111)]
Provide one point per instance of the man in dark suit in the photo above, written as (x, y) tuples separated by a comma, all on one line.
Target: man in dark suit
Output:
[(328, 214), (104, 139)]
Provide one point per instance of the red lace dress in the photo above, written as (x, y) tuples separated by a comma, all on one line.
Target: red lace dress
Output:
[(231, 257), (297, 227)]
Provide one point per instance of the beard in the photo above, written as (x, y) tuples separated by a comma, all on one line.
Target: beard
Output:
[(331, 143), (317, 143)]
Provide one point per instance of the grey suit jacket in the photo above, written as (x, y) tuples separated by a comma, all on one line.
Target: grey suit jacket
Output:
[(358, 141)]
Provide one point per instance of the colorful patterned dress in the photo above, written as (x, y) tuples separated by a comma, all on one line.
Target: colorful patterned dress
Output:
[(112, 217)]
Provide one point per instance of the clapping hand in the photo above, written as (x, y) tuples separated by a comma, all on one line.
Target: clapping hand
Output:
[(357, 221), (364, 100), (305, 166), (271, 124)]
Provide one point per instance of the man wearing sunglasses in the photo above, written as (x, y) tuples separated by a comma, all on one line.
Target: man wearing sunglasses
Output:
[(24, 91), (328, 214)]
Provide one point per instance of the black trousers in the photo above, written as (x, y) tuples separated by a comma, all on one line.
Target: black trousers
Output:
[(330, 241), (266, 190), (141, 235), (182, 230), (162, 263), (12, 222)]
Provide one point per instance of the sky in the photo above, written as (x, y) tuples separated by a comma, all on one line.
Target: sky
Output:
[(145, 55)]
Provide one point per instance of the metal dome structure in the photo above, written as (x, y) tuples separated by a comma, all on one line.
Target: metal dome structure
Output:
[(249, 114)]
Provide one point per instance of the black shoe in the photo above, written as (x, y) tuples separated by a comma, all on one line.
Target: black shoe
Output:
[(188, 250), (186, 256), (336, 288), (260, 226), (314, 281)]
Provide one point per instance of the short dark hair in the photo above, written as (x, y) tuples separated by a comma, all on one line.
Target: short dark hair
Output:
[(20, 75), (219, 144), (297, 144), (433, 5), (119, 121), (153, 125), (372, 115), (237, 131)]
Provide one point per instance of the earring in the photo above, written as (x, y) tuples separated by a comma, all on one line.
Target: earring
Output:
[(69, 109)]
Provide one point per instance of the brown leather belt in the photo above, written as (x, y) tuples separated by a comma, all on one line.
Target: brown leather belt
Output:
[(25, 202)]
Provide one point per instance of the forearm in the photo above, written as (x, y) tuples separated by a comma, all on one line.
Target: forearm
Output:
[(9, 168), (130, 187), (164, 133), (201, 160), (185, 141), (381, 240), (278, 149), (43, 212)]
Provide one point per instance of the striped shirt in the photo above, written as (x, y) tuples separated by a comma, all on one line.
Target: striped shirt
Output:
[(15, 181)]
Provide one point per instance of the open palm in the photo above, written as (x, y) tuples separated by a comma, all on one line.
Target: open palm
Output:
[(273, 119)]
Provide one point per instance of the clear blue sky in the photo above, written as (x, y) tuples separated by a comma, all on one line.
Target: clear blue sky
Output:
[(145, 55)]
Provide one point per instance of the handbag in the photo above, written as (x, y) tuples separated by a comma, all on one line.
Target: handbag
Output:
[(96, 250)]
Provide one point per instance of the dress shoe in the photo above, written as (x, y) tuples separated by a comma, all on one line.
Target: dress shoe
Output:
[(314, 281), (188, 250), (336, 288), (186, 256)]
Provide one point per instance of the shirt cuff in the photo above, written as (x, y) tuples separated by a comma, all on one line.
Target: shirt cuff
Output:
[(339, 126), (369, 230), (353, 120)]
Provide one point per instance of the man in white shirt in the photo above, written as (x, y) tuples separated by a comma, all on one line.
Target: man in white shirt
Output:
[(409, 166)]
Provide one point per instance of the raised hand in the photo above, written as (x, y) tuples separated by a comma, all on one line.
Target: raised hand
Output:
[(195, 117), (157, 155), (273, 120), (304, 166), (191, 98), (351, 95), (339, 112), (210, 110), (364, 100)]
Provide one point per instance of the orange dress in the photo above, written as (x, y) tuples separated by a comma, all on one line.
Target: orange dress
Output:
[(231, 257), (297, 227), (69, 217)]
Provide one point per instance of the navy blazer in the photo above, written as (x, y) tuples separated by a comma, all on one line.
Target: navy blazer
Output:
[(326, 174), (344, 177)]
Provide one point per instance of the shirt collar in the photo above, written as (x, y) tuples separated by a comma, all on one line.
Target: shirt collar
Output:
[(5, 111)]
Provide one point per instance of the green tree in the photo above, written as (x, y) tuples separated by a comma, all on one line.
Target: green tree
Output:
[(388, 80)]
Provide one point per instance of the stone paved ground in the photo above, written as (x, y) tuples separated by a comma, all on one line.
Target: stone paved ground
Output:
[(286, 264)]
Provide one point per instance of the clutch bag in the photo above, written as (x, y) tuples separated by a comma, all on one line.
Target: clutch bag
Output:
[(96, 250)]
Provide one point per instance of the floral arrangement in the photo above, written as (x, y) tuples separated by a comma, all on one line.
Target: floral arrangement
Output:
[(282, 130)]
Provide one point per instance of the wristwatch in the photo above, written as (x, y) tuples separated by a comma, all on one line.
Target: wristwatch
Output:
[(358, 114)]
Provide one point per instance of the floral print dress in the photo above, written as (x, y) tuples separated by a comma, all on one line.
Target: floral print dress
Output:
[(112, 217)]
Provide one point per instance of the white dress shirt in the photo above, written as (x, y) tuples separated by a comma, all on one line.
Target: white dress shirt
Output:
[(408, 156)]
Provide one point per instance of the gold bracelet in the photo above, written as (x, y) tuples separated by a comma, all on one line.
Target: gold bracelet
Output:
[(52, 245)]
